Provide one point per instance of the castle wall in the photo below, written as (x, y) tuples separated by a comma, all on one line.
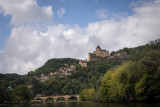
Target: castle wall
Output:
[(90, 56), (104, 53), (98, 54)]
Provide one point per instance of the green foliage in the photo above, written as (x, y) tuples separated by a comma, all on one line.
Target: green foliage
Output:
[(23, 92), (104, 81), (71, 87), (8, 77), (87, 94), (10, 96), (2, 94), (53, 65), (140, 51), (147, 89), (133, 81), (79, 79)]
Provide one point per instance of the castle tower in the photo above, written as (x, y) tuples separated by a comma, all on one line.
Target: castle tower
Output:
[(98, 54), (98, 48), (98, 51)]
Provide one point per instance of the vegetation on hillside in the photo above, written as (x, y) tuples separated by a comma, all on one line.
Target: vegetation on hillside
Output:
[(80, 78), (135, 80), (53, 65), (106, 81)]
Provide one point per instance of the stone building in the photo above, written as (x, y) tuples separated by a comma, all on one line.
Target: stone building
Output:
[(121, 55), (98, 54), (83, 63)]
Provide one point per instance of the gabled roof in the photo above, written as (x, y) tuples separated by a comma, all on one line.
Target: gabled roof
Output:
[(98, 47)]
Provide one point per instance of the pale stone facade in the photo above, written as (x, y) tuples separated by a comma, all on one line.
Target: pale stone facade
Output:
[(98, 54), (83, 63), (63, 71)]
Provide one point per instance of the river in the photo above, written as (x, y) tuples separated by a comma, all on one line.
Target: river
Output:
[(84, 104)]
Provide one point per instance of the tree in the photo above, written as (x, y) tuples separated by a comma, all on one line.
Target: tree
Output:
[(72, 87), (87, 94), (2, 94), (23, 92)]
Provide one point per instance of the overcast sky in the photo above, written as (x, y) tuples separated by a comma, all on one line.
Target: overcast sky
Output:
[(33, 31)]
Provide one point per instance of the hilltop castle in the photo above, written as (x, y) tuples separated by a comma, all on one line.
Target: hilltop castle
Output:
[(98, 54)]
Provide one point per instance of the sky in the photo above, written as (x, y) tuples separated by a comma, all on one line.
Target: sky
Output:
[(33, 31)]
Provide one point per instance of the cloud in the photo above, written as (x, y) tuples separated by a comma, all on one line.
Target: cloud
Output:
[(101, 14), (131, 31), (24, 11), (29, 47), (61, 12)]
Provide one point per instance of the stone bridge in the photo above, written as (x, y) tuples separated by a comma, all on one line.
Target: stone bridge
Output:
[(56, 98)]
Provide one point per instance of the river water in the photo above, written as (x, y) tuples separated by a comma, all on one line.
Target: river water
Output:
[(84, 104)]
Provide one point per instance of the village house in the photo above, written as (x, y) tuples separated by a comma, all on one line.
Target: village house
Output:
[(63, 71), (83, 63)]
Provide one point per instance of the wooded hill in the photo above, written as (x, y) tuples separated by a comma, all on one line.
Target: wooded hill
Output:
[(105, 80), (134, 80), (53, 65)]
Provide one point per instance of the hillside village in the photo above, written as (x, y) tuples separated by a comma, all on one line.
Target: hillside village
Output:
[(97, 55), (63, 71)]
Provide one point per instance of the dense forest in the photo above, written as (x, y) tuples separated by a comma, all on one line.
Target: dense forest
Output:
[(136, 79)]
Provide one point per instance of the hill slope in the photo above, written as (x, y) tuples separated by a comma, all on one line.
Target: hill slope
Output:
[(135, 80), (53, 65), (105, 80)]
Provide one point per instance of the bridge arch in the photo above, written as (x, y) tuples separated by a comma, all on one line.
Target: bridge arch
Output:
[(49, 99), (61, 98), (37, 98), (73, 98), (42, 99)]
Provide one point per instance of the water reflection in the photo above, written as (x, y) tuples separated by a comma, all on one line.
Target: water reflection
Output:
[(84, 104)]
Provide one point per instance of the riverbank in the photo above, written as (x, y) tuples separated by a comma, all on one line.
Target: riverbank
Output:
[(83, 104)]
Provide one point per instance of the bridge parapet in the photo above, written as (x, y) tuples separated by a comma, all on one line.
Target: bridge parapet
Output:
[(66, 97)]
